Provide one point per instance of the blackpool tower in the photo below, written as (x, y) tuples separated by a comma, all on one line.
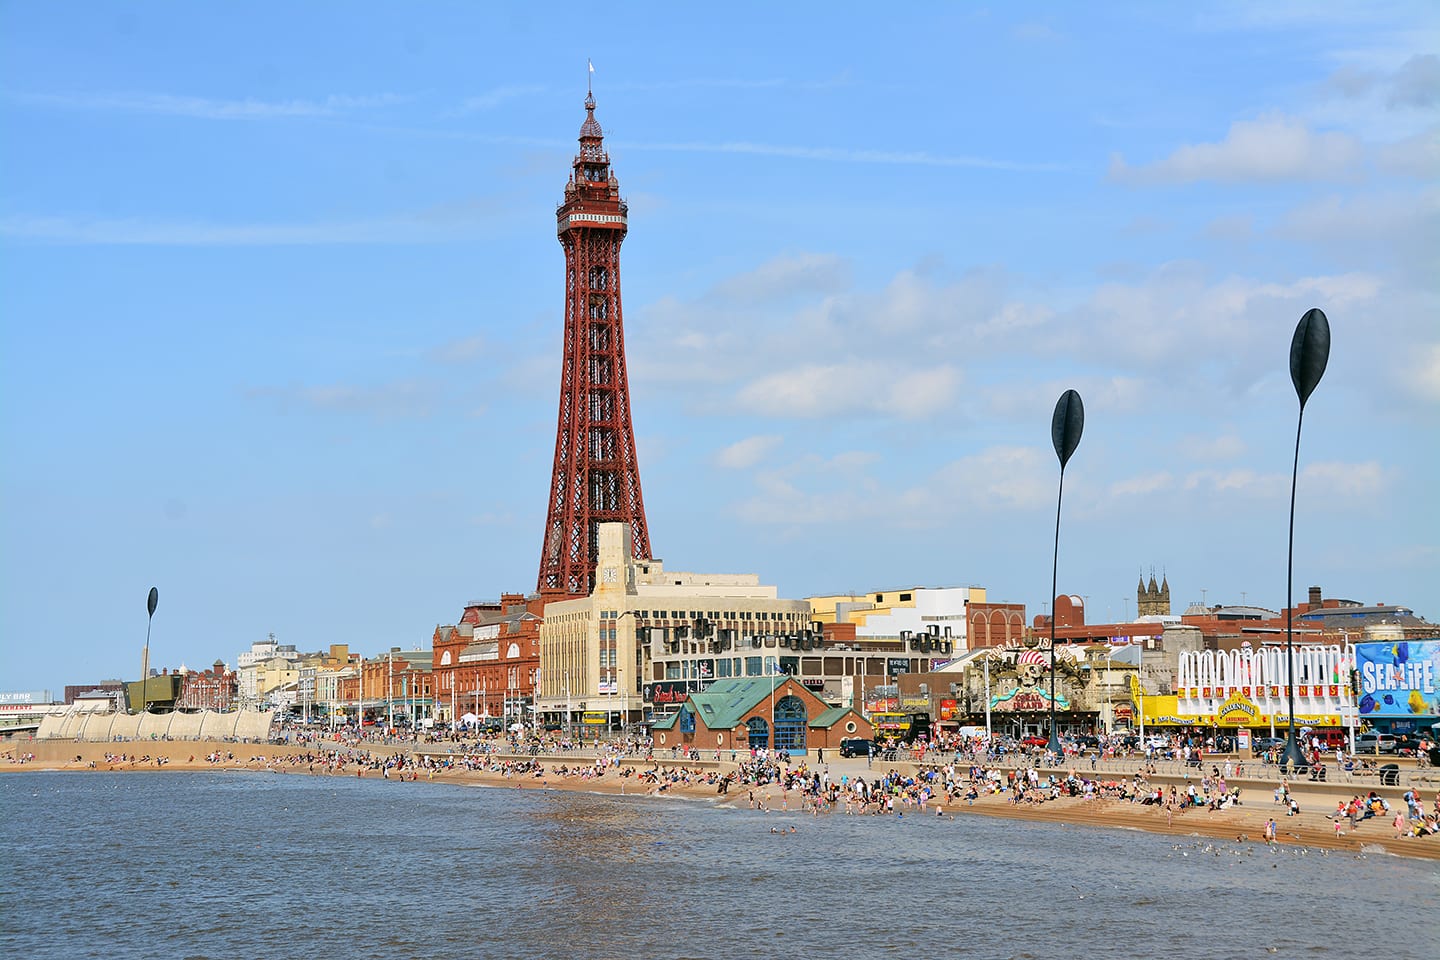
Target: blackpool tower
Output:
[(596, 478)]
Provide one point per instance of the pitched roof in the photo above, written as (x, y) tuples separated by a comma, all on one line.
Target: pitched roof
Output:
[(724, 702), (830, 717)]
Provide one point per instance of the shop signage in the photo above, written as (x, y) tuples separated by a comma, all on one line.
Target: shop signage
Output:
[(1399, 679), (896, 665), (671, 691), (948, 709), (1238, 711), (813, 683), (916, 704)]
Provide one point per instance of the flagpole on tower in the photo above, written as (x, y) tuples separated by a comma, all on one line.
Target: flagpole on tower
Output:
[(590, 77)]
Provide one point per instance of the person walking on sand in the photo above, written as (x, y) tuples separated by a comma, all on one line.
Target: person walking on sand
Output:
[(1270, 830)]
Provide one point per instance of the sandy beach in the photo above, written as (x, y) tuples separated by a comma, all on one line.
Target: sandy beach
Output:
[(1312, 827)]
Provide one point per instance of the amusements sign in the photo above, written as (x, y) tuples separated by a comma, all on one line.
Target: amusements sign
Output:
[(1399, 679)]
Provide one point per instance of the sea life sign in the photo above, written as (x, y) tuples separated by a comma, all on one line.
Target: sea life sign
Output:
[(1399, 679)]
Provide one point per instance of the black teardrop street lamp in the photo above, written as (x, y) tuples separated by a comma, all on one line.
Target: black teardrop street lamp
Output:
[(1065, 428), (150, 603), (1309, 353)]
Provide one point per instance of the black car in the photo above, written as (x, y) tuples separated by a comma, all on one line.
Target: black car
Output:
[(1407, 744), (856, 747)]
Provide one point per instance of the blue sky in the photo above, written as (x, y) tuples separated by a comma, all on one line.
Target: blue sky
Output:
[(280, 304)]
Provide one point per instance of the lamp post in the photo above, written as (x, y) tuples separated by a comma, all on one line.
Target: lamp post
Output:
[(1309, 353), (150, 603), (1066, 425)]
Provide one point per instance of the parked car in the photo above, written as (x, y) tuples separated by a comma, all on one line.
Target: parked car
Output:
[(1407, 744), (856, 747), (1036, 742), (1373, 743), (1262, 745)]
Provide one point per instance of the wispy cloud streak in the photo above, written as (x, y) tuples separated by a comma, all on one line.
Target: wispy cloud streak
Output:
[(207, 108)]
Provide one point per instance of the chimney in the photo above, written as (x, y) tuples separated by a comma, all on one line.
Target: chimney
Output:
[(1315, 598)]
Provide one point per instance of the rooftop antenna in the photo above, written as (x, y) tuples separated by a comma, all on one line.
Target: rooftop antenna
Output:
[(589, 77)]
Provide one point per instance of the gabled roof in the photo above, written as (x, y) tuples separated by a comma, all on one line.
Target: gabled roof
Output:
[(724, 702), (830, 717)]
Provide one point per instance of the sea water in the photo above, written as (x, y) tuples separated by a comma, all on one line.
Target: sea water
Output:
[(268, 865)]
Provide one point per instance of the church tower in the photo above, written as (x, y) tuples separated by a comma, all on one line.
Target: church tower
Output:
[(1152, 600), (596, 478)]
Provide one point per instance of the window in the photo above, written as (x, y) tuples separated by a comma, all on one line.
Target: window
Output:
[(904, 597), (790, 724), (758, 732), (754, 666), (672, 671)]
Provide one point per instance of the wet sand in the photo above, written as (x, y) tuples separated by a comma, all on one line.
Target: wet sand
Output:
[(1244, 823)]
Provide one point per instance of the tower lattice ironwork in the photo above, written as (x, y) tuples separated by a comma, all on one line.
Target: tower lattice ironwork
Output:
[(596, 478)]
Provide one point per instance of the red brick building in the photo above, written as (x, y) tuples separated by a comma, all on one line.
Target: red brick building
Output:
[(213, 689), (488, 663), (760, 713), (994, 624), (1070, 626)]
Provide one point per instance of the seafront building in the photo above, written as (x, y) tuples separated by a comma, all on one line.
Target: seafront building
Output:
[(486, 665), (647, 635)]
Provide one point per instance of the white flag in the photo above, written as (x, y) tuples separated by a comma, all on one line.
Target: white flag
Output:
[(590, 65)]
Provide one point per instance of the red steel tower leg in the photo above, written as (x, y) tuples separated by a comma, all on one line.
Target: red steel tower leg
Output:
[(596, 477)]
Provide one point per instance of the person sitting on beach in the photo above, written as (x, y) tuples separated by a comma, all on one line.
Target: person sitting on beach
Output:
[(1294, 810)]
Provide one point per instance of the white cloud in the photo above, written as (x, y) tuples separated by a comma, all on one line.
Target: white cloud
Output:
[(1345, 479), (1001, 477), (786, 276), (1224, 447), (855, 387), (746, 453), (1416, 83), (912, 158), (462, 350), (1272, 148), (491, 99), (1416, 156), (1231, 228), (1421, 374), (815, 490), (398, 399), (208, 108), (1142, 485), (1240, 480), (437, 225)]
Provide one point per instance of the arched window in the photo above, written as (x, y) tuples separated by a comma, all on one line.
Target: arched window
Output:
[(790, 724), (758, 732), (512, 652), (445, 659)]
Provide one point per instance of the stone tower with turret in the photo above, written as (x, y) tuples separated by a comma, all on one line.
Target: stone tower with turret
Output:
[(1152, 600)]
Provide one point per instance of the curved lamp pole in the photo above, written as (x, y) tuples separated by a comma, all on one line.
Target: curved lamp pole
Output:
[(150, 603), (1309, 353), (1065, 428)]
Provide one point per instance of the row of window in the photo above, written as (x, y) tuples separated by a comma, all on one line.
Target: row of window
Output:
[(727, 615), (764, 666)]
